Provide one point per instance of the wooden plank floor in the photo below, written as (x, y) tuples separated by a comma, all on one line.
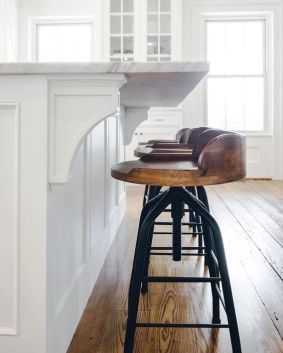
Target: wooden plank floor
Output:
[(250, 215)]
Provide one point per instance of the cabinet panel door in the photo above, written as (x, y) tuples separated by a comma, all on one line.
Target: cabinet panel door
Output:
[(157, 134)]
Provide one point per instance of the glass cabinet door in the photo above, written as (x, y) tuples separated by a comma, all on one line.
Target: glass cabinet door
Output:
[(159, 31), (144, 30), (121, 30)]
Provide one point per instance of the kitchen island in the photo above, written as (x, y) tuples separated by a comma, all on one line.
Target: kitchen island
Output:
[(61, 128)]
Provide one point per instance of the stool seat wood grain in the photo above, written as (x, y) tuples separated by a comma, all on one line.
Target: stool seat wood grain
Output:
[(222, 160)]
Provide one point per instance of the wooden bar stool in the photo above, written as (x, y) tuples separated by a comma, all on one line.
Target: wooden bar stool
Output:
[(199, 137), (183, 139), (222, 160)]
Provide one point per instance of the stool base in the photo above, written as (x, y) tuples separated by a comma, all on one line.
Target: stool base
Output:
[(215, 257)]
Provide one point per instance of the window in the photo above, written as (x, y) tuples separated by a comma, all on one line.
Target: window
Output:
[(62, 40), (236, 84)]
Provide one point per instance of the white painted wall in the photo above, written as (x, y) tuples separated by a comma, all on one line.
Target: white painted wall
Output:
[(263, 150), (59, 8), (83, 218), (8, 30)]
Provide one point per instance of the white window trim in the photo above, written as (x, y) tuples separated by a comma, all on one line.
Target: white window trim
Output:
[(34, 22), (268, 94)]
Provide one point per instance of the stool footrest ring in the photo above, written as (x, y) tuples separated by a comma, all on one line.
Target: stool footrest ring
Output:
[(157, 324), (183, 248), (183, 223), (170, 254), (183, 233), (182, 279)]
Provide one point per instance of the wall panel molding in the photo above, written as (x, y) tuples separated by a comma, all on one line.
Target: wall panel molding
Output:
[(76, 106), (253, 154), (10, 217)]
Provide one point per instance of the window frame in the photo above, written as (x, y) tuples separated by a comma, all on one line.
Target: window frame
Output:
[(268, 60), (37, 21)]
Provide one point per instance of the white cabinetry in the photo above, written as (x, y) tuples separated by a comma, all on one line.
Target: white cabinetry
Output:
[(161, 124), (143, 30)]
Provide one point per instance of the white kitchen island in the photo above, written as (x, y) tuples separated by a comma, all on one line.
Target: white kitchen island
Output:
[(62, 126)]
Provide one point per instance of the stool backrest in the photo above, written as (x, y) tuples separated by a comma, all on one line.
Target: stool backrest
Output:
[(224, 158), (204, 138), (181, 132), (183, 138), (194, 135)]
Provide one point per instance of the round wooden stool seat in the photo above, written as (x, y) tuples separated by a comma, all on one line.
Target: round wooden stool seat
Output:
[(166, 173), (222, 160)]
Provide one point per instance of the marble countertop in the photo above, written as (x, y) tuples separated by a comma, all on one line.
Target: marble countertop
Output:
[(101, 67), (156, 84)]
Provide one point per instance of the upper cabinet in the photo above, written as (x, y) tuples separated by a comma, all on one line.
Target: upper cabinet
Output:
[(143, 30), (159, 31), (122, 23)]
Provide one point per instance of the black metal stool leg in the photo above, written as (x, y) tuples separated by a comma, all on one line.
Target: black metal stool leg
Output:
[(145, 195), (177, 215), (195, 229), (227, 290), (144, 287), (202, 196), (214, 272), (146, 209), (155, 191), (192, 219), (223, 269), (138, 267), (199, 226), (134, 293)]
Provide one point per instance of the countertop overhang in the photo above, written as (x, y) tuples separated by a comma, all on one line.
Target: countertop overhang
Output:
[(19, 68), (146, 84)]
